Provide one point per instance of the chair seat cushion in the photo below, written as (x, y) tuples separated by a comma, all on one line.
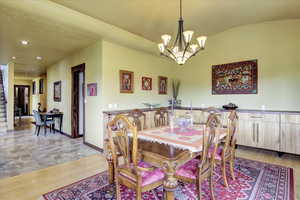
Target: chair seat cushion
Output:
[(148, 177), (189, 169)]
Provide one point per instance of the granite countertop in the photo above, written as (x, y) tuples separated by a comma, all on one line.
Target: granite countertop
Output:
[(115, 112)]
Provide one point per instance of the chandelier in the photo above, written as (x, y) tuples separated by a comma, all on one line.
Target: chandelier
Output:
[(182, 48)]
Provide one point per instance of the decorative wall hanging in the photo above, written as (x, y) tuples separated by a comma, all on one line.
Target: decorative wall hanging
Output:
[(162, 85), (41, 86), (92, 89), (126, 81), (146, 83), (235, 78), (33, 87), (57, 91)]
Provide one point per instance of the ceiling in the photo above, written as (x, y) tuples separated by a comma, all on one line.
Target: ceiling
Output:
[(152, 18), (54, 38), (48, 39)]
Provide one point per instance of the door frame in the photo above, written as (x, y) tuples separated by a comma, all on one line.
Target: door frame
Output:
[(24, 86), (75, 129)]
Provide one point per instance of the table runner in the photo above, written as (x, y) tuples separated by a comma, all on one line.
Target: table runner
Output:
[(188, 139)]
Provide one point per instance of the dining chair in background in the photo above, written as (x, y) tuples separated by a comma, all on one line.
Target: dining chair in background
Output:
[(161, 117), (133, 172), (201, 168), (138, 118), (226, 151), (40, 123)]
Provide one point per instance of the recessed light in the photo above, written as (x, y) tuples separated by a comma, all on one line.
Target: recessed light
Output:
[(24, 42), (14, 57), (39, 58)]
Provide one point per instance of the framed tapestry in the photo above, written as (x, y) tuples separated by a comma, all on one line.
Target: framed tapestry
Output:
[(235, 78), (92, 89), (146, 83), (126, 81), (162, 85), (57, 91)]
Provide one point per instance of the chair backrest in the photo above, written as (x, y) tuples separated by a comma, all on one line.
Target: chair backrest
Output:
[(213, 120), (136, 116), (124, 139), (37, 118), (210, 144), (212, 110), (230, 140), (161, 117)]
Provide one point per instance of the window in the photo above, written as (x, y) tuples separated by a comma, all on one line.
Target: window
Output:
[(41, 88)]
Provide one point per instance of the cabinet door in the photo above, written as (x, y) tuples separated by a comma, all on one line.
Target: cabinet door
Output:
[(290, 138), (246, 133), (267, 134)]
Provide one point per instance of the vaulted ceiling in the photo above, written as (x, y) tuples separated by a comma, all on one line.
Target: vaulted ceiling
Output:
[(52, 34), (152, 18)]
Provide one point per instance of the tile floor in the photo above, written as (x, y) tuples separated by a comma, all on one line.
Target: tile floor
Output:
[(21, 151)]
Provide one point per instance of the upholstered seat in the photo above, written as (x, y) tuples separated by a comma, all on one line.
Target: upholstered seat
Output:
[(148, 177), (189, 169)]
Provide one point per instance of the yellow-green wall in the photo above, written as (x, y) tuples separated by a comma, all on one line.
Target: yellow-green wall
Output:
[(116, 58), (103, 61), (39, 98), (61, 71), (276, 45)]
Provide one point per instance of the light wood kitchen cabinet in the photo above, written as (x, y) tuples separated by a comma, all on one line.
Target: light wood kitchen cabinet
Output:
[(259, 130), (290, 133)]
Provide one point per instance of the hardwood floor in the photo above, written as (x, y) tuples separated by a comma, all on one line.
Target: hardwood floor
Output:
[(31, 186)]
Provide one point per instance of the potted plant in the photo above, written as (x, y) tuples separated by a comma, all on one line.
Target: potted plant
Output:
[(175, 91)]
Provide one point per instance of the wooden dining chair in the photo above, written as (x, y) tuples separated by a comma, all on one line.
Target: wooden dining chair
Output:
[(133, 172), (138, 118), (201, 168), (161, 117), (226, 152)]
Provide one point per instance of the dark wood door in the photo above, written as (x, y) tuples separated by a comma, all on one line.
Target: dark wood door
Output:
[(21, 99), (75, 99)]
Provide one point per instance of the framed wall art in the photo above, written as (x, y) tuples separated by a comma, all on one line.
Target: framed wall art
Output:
[(57, 91), (162, 85), (92, 89), (126, 81), (235, 78), (146, 83)]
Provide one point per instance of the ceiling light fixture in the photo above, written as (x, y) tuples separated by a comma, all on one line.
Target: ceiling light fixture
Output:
[(182, 49), (14, 57), (39, 58), (24, 42)]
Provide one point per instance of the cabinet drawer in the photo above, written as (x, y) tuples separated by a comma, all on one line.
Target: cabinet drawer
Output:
[(266, 117), (290, 118)]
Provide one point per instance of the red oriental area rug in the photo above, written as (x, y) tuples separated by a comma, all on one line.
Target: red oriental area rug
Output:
[(254, 181)]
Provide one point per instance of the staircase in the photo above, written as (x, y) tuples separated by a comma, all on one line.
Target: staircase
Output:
[(3, 124)]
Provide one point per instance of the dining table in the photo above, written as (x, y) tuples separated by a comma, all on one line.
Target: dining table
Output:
[(169, 148), (52, 115)]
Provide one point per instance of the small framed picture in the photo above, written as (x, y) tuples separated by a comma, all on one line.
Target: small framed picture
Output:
[(162, 85), (126, 81), (146, 83), (57, 91), (92, 89)]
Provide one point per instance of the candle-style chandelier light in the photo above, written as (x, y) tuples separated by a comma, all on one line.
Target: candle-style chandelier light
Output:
[(182, 48)]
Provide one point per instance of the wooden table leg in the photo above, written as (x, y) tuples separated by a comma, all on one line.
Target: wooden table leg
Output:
[(170, 183), (111, 171)]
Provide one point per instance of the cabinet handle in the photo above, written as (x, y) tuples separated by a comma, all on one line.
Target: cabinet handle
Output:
[(253, 129), (256, 117), (257, 131)]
